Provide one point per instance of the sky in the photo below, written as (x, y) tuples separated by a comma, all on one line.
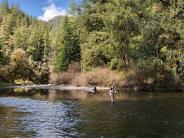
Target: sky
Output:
[(43, 9)]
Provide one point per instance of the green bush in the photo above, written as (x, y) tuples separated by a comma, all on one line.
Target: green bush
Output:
[(116, 64)]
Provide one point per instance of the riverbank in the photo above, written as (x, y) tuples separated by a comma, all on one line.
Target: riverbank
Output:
[(103, 79), (56, 87), (124, 80), (74, 88)]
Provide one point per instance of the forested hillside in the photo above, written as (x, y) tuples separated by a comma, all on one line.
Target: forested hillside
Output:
[(24, 46), (144, 36)]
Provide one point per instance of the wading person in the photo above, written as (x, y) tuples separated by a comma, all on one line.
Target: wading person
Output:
[(112, 92)]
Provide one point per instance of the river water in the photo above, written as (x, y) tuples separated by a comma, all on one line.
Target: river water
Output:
[(41, 113)]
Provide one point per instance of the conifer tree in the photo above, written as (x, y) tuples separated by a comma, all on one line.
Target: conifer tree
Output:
[(7, 30), (4, 9), (69, 48)]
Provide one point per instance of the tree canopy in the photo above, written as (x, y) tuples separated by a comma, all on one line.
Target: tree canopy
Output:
[(143, 35)]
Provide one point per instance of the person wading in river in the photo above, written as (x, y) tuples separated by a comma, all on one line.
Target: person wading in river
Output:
[(112, 92)]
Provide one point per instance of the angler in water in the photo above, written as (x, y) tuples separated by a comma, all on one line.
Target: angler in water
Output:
[(113, 92)]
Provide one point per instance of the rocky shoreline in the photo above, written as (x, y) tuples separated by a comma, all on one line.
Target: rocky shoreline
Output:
[(55, 87)]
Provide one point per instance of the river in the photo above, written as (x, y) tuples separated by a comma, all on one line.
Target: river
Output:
[(42, 113)]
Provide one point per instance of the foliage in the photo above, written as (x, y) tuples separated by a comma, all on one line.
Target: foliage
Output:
[(19, 66), (69, 50), (24, 43), (146, 36), (138, 35)]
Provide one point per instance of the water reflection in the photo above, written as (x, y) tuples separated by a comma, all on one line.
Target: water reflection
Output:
[(100, 96), (41, 113), (134, 119)]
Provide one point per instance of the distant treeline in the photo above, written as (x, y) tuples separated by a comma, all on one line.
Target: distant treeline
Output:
[(146, 36)]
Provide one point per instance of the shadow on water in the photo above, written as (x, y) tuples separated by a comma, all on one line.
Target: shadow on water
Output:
[(43, 113), (144, 119)]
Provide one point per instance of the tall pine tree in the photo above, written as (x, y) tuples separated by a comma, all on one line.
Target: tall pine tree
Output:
[(69, 47)]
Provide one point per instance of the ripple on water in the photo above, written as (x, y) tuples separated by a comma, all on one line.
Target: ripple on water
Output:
[(45, 118), (138, 115)]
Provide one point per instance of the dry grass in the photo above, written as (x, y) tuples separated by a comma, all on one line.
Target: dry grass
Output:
[(97, 77), (61, 78), (102, 77), (124, 79)]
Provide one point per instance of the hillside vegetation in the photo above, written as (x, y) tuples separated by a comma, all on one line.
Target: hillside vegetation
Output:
[(137, 43)]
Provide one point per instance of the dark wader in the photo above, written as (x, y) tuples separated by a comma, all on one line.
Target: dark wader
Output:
[(112, 93)]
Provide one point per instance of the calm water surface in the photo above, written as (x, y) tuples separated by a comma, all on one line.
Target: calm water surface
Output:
[(39, 113)]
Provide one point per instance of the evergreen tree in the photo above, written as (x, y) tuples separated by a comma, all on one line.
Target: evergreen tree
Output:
[(1, 55), (69, 49), (21, 37), (7, 30), (36, 44), (4, 9), (143, 35)]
